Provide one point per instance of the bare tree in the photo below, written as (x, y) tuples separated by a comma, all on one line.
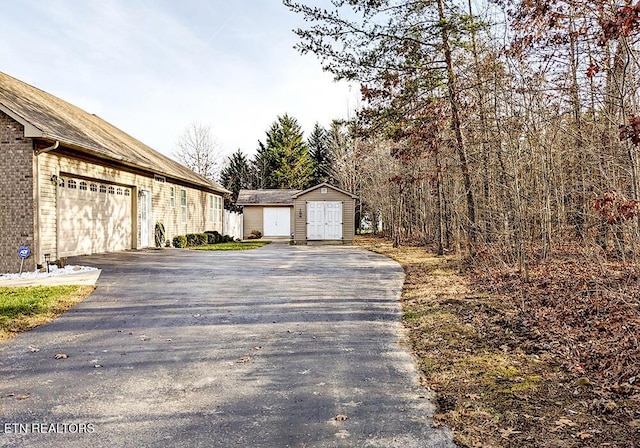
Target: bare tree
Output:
[(199, 150)]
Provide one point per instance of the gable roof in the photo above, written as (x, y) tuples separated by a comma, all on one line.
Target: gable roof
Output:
[(266, 197), (326, 185), (50, 118)]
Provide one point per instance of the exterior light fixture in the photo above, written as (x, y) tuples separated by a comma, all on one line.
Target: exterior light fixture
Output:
[(54, 178)]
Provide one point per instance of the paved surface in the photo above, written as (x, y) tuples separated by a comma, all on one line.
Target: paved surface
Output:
[(258, 348)]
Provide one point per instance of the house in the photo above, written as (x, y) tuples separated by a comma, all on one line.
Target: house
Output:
[(73, 184), (320, 214)]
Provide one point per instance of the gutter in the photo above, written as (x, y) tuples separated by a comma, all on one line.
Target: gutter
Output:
[(48, 148)]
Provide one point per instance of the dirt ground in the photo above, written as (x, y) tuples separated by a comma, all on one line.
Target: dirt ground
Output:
[(552, 362)]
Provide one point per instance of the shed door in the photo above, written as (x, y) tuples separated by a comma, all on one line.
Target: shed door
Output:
[(276, 221), (324, 220), (92, 217)]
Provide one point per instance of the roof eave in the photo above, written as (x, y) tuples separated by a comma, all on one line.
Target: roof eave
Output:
[(30, 131)]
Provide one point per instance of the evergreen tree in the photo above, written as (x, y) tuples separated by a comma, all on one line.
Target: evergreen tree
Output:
[(236, 174), (320, 155), (284, 161)]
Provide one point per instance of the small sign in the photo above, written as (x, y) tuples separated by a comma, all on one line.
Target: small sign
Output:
[(24, 252)]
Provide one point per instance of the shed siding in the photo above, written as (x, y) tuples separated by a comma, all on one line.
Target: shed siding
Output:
[(348, 213), (252, 217), (17, 201), (161, 211)]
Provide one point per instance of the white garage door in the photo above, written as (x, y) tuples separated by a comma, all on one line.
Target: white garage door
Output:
[(92, 217), (324, 220), (276, 221)]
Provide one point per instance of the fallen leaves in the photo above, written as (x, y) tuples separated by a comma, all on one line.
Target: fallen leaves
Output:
[(244, 360), (506, 433), (61, 356), (341, 417)]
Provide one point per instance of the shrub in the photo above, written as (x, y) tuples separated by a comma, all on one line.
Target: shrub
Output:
[(159, 234), (227, 239), (191, 239), (211, 238), (255, 235), (179, 241), (201, 239)]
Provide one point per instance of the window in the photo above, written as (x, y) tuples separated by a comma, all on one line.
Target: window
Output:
[(61, 182), (215, 209), (127, 192), (112, 190), (159, 178), (72, 184), (93, 187), (103, 189), (172, 197), (183, 206), (119, 191), (83, 186)]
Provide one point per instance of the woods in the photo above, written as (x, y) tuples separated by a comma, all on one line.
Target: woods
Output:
[(510, 128)]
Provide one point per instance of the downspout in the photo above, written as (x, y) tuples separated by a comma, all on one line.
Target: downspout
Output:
[(48, 148), (39, 255)]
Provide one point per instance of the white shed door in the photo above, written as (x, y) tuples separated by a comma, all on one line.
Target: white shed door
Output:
[(276, 221), (92, 217), (324, 220)]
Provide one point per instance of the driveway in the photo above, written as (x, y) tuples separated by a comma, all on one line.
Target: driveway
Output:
[(260, 348)]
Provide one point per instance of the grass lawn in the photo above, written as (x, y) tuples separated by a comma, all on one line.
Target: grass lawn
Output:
[(234, 245), (24, 308)]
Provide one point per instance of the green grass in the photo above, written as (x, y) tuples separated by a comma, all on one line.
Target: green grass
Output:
[(24, 308), (234, 245)]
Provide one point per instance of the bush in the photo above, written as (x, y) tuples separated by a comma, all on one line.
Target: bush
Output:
[(179, 241), (255, 235), (201, 239), (227, 239), (211, 238), (159, 234), (191, 239)]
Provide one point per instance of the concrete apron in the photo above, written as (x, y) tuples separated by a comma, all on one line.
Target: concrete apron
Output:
[(259, 348)]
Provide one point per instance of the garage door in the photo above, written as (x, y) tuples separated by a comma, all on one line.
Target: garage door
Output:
[(92, 217), (324, 220), (276, 221)]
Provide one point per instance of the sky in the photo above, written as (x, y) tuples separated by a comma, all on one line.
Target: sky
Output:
[(154, 67)]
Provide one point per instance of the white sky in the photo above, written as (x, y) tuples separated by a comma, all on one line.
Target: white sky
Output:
[(152, 67)]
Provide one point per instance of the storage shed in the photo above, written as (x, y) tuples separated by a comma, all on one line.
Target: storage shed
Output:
[(268, 212), (324, 213)]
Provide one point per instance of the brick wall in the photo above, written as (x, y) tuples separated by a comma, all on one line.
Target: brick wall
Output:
[(16, 195)]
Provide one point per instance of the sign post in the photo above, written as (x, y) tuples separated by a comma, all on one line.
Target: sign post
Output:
[(23, 252)]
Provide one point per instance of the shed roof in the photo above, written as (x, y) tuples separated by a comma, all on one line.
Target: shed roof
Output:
[(325, 185), (49, 118), (266, 197)]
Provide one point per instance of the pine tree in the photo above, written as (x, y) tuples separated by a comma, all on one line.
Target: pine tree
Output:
[(320, 155), (236, 174), (284, 161)]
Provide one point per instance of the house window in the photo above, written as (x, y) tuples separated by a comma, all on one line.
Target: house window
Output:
[(103, 189), (127, 192), (83, 186), (119, 191), (172, 197), (159, 178), (112, 190), (183, 206), (215, 209), (61, 182), (72, 183), (93, 187)]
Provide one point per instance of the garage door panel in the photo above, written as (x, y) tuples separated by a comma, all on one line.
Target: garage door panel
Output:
[(276, 221), (92, 221)]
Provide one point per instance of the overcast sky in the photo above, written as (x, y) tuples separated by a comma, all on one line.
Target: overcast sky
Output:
[(152, 67)]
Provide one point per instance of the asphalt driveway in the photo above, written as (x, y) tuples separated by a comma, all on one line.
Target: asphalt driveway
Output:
[(260, 348)]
